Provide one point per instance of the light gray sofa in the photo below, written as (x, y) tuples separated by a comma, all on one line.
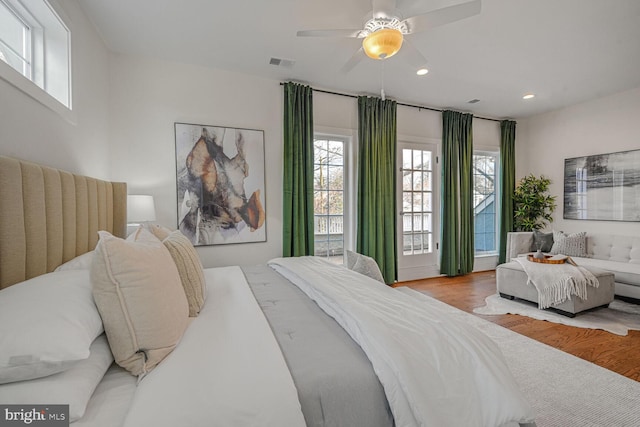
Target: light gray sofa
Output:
[(615, 253)]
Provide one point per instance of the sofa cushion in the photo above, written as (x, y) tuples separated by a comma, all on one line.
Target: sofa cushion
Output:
[(625, 272), (612, 247)]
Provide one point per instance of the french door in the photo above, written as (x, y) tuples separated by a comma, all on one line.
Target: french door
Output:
[(418, 204)]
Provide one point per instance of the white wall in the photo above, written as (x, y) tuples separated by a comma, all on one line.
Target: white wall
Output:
[(148, 97), (77, 142), (600, 126)]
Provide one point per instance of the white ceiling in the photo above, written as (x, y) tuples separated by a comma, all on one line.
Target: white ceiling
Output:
[(564, 51)]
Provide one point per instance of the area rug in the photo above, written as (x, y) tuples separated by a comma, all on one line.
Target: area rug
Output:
[(618, 318), (564, 390)]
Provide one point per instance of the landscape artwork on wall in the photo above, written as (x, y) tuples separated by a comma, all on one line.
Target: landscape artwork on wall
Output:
[(603, 187), (220, 182)]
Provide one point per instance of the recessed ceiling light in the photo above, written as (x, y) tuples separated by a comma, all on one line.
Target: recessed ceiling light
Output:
[(422, 71), (528, 96)]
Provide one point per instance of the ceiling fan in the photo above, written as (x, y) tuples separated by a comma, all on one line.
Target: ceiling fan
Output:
[(383, 34)]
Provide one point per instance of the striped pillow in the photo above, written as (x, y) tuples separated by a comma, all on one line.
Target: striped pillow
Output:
[(189, 269), (569, 244)]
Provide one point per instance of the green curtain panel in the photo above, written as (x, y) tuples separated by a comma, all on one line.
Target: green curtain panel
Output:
[(507, 182), (297, 227), (376, 232), (457, 249)]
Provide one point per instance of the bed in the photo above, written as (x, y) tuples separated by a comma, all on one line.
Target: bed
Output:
[(275, 344)]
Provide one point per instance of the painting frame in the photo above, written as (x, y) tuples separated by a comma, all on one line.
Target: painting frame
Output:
[(603, 187), (220, 184)]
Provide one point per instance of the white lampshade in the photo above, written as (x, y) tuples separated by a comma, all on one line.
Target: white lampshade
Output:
[(140, 209)]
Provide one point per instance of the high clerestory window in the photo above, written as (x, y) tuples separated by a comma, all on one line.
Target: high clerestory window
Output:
[(34, 42)]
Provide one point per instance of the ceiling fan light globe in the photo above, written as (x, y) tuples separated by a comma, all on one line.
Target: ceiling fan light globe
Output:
[(383, 43)]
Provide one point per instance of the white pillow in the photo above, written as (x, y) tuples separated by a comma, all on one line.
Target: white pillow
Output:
[(364, 265), (81, 262), (72, 387), (47, 324), (138, 292)]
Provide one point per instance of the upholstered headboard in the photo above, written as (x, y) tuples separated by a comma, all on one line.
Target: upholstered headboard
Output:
[(49, 216)]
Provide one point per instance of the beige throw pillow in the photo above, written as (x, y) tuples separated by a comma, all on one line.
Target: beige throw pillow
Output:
[(190, 269), (137, 290), (157, 230)]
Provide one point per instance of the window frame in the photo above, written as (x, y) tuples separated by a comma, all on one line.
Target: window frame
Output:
[(50, 82)]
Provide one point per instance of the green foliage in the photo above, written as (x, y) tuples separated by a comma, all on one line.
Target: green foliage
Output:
[(532, 204)]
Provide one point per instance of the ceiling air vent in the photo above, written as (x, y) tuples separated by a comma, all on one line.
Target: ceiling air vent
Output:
[(279, 62)]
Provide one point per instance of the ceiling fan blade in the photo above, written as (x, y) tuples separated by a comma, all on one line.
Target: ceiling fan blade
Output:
[(442, 16), (353, 61), (329, 33), (383, 8), (413, 56)]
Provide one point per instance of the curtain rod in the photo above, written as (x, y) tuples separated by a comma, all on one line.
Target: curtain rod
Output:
[(419, 107)]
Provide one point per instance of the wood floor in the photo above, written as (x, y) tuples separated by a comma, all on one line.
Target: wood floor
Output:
[(614, 352)]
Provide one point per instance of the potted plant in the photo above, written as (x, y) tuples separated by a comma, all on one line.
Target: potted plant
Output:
[(532, 203)]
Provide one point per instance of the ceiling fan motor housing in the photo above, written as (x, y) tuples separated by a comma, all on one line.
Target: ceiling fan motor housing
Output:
[(383, 43)]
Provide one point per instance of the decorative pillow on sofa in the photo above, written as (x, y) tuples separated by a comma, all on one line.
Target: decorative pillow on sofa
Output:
[(72, 387), (364, 265), (542, 241), (190, 269), (569, 244), (138, 292), (47, 325)]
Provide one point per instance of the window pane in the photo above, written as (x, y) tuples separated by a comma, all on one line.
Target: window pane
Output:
[(426, 202), (417, 222), (406, 201), (335, 181), (406, 223), (417, 159), (427, 222), (406, 159), (426, 181), (12, 30), (406, 244), (417, 202), (426, 242), (426, 159), (407, 181), (335, 202), (14, 39), (335, 152)]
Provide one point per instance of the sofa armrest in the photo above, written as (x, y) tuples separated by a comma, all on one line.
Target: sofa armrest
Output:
[(518, 242)]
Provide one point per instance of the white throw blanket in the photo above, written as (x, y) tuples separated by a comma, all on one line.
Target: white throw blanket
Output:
[(557, 283), (435, 370)]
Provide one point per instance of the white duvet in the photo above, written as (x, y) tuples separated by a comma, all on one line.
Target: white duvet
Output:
[(435, 370), (227, 370)]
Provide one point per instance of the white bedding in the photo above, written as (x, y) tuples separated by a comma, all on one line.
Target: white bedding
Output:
[(435, 370), (226, 371)]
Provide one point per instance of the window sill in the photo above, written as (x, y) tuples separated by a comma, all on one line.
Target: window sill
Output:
[(26, 86)]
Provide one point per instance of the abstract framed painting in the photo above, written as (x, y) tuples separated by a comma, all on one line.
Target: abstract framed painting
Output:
[(603, 187), (220, 180)]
